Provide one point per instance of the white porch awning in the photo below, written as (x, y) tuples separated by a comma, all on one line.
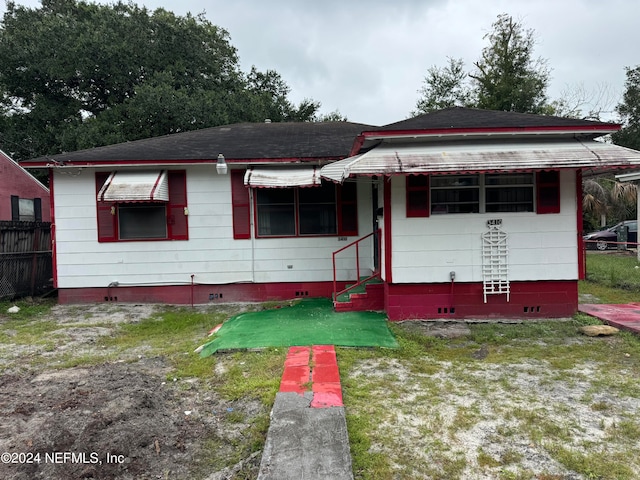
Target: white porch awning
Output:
[(282, 177), (478, 157), (149, 186)]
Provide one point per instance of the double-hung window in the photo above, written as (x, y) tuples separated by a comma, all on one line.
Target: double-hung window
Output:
[(483, 193), (144, 205), (291, 202), (299, 211), (455, 194), (508, 192)]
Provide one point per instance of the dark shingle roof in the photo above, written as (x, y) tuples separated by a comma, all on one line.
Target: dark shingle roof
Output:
[(236, 142), (459, 117)]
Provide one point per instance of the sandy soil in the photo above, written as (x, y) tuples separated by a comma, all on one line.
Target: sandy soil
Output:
[(122, 420), (502, 412), (128, 420)]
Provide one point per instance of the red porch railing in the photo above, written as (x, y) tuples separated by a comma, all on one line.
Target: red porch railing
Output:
[(359, 280)]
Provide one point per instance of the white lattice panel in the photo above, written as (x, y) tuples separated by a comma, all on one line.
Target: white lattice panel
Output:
[(495, 262)]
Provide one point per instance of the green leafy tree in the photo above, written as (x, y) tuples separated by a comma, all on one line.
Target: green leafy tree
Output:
[(444, 87), (76, 75), (270, 91), (334, 116), (506, 77), (629, 111)]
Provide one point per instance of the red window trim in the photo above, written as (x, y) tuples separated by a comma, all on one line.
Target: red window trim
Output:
[(176, 207), (344, 200), (341, 231), (240, 206), (413, 211), (551, 189)]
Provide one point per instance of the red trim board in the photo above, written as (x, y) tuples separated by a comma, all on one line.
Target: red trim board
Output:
[(198, 294), (402, 301)]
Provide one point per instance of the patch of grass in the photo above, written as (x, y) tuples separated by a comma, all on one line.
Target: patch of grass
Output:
[(27, 332), (600, 406), (70, 360), (251, 375), (614, 271), (485, 460), (367, 463), (510, 456), (29, 309), (606, 294), (626, 429), (604, 465)]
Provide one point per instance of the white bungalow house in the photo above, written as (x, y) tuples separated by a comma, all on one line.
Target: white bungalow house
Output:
[(479, 214)]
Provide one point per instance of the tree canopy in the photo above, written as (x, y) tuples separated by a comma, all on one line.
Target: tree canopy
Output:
[(77, 75), (506, 76), (629, 111)]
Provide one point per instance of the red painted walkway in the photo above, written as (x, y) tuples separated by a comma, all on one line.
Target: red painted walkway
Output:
[(313, 369), (623, 316)]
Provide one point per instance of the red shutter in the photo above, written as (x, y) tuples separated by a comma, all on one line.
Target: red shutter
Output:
[(548, 192), (240, 206), (417, 195), (348, 209), (106, 221), (177, 220)]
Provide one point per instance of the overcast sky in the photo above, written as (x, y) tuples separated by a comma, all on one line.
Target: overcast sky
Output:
[(368, 59)]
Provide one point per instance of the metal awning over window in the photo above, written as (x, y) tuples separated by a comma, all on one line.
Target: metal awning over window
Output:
[(282, 177), (150, 186), (481, 157)]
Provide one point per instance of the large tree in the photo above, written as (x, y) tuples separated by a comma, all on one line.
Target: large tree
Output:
[(629, 111), (444, 88), (76, 75), (506, 77)]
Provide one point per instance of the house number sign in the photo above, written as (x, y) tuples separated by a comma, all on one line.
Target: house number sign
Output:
[(495, 222)]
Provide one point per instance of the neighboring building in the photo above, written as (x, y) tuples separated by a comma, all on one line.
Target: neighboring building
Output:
[(479, 211), (22, 197)]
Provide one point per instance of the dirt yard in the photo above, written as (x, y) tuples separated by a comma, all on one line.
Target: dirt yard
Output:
[(117, 420), (125, 417)]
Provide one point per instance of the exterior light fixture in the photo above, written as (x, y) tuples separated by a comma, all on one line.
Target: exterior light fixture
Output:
[(221, 165)]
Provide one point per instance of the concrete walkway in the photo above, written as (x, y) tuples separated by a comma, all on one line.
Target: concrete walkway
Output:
[(623, 316), (307, 437)]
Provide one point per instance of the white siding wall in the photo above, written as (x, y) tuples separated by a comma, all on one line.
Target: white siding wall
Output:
[(541, 247), (211, 253)]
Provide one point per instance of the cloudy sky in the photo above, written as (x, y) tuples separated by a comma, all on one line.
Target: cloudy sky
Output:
[(368, 59)]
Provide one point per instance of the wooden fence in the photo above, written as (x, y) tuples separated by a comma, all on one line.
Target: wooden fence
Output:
[(26, 266)]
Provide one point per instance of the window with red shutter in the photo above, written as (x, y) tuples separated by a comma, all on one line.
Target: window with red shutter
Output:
[(417, 196), (143, 220), (240, 206), (177, 218), (348, 209), (106, 213), (548, 192)]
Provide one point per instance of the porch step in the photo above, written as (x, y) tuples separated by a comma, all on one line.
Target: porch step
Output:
[(372, 298)]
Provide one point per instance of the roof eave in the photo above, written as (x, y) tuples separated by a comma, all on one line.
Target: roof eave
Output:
[(179, 163), (591, 130)]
